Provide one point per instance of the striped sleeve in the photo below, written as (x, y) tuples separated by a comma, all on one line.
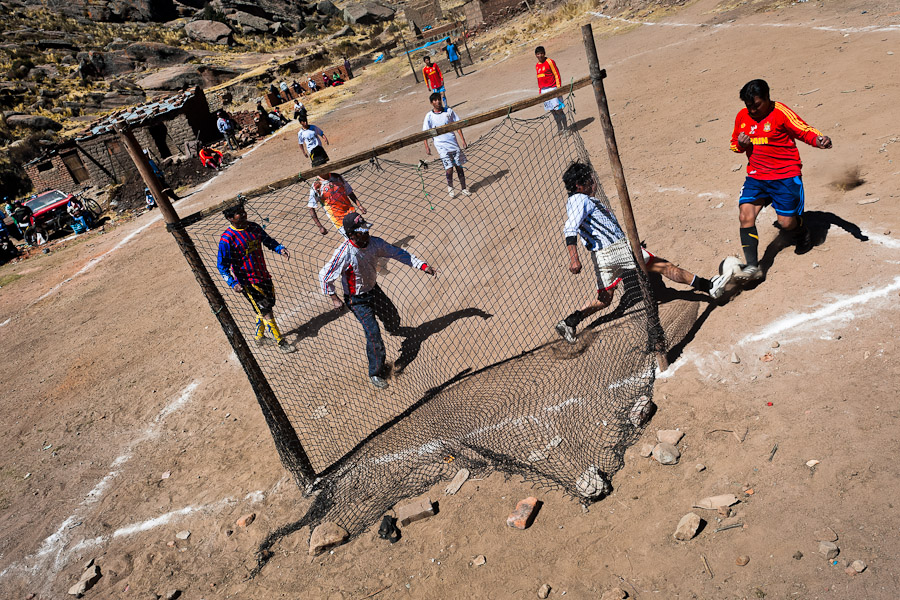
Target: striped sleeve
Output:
[(735, 147), (555, 71), (223, 261), (797, 127), (333, 270)]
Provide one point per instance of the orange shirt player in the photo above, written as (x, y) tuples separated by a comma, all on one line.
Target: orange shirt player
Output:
[(765, 131), (548, 79), (434, 79)]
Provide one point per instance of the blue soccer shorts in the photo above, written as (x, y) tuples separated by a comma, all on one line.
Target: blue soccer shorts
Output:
[(785, 195)]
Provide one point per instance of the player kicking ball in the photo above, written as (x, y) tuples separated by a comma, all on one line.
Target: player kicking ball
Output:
[(766, 131), (602, 236), (243, 266)]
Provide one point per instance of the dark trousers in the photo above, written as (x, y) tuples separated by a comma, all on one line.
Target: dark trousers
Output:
[(366, 307)]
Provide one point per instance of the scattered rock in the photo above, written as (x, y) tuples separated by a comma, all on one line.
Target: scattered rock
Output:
[(592, 483), (767, 357), (91, 576), (89, 564), (183, 534), (735, 358), (35, 122), (714, 502), (775, 344), (478, 560), (666, 454), (343, 32), (170, 543), (167, 474), (647, 450), (669, 436), (826, 535), (614, 594), (367, 13), (246, 520), (212, 32), (524, 514), (687, 527), (725, 512), (812, 463), (742, 560), (736, 168), (544, 591), (642, 411), (461, 476), (798, 555), (700, 467), (828, 549), (418, 509), (156, 54), (868, 201), (325, 536), (172, 594), (858, 566)]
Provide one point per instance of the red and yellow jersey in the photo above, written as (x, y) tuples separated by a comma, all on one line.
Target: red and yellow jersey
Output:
[(548, 74), (334, 194), (433, 77), (774, 153)]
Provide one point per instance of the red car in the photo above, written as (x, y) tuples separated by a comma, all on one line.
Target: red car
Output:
[(50, 214)]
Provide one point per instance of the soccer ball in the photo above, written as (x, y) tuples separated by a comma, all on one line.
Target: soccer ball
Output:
[(731, 264)]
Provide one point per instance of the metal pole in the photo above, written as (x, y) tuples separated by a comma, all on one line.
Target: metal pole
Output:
[(290, 450), (409, 58), (611, 148), (465, 37)]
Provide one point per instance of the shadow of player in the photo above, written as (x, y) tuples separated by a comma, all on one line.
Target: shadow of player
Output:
[(311, 328), (493, 178), (414, 337), (579, 125)]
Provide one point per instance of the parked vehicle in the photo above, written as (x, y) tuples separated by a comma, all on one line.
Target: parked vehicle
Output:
[(50, 214)]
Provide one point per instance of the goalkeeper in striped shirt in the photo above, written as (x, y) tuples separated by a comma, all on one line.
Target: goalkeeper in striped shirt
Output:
[(243, 266)]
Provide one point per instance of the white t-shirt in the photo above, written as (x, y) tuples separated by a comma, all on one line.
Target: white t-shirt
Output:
[(310, 137), (446, 142)]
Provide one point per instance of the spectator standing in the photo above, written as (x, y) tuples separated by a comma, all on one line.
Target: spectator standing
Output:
[(453, 56), (226, 128)]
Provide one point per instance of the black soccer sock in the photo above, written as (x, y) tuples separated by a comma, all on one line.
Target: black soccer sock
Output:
[(449, 175), (462, 177), (575, 318), (750, 245), (701, 283)]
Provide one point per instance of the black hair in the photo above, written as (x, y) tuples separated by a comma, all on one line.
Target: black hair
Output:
[(434, 96), (577, 174), (540, 49), (233, 210), (426, 57), (757, 88)]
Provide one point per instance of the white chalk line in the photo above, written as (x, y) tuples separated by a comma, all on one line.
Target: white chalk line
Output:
[(54, 545), (865, 29)]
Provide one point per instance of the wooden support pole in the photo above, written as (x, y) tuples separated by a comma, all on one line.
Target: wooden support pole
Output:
[(409, 58), (290, 450), (627, 213)]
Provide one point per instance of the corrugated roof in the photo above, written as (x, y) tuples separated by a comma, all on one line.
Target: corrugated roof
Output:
[(136, 115)]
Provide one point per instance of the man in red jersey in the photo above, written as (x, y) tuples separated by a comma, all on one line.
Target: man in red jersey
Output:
[(434, 79), (549, 79), (765, 131)]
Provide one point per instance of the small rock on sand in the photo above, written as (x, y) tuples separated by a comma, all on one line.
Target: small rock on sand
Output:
[(544, 591), (666, 454), (687, 527)]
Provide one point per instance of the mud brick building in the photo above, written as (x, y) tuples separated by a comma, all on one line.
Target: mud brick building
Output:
[(490, 11), (423, 12), (97, 157)]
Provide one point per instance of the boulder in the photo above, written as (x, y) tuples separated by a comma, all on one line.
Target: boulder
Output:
[(367, 13), (55, 45), (156, 54), (36, 122), (326, 7), (104, 64), (344, 31), (326, 536), (185, 76), (212, 32), (250, 23)]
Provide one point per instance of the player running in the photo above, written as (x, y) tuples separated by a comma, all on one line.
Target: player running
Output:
[(766, 131), (334, 193), (355, 263), (434, 79), (308, 137), (603, 237), (448, 149), (243, 266), (548, 79)]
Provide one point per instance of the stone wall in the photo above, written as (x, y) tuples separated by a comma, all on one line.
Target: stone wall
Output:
[(51, 174), (423, 12)]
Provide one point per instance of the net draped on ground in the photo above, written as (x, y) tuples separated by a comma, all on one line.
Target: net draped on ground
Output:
[(480, 380)]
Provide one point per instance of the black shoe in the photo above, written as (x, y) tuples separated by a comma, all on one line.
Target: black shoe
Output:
[(804, 241)]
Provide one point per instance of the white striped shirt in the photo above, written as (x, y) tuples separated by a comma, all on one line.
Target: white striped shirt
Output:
[(355, 267), (596, 224)]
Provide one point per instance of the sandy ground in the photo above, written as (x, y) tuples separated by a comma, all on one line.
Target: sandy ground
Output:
[(128, 419)]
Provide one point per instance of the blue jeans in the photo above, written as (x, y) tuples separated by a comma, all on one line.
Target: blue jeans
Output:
[(366, 307)]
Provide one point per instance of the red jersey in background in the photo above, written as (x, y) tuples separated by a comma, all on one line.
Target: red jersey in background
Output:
[(548, 74), (433, 77), (774, 154)]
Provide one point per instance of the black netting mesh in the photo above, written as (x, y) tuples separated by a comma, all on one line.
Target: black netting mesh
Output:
[(480, 377)]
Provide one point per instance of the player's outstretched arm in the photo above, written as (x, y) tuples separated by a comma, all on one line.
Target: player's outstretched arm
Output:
[(824, 142), (359, 207), (315, 218)]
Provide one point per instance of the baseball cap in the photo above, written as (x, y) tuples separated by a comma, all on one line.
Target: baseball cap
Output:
[(354, 223)]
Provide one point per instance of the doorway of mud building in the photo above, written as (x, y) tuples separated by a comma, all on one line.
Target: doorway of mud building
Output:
[(159, 133)]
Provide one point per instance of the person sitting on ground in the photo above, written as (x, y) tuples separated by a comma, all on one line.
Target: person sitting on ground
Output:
[(336, 79), (83, 219), (614, 262), (298, 89), (312, 85), (148, 198), (299, 110), (274, 91), (209, 158)]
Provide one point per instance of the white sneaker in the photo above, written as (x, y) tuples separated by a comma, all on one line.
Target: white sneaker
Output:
[(466, 193), (566, 331), (450, 192), (749, 273), (718, 284), (378, 382)]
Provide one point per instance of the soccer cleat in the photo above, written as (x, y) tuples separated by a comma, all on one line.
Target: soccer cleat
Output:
[(718, 284), (466, 193), (749, 274), (378, 382), (566, 331), (285, 347), (450, 191), (260, 341)]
